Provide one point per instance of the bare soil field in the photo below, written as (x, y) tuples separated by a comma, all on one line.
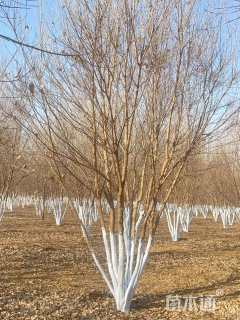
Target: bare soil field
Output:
[(46, 272)]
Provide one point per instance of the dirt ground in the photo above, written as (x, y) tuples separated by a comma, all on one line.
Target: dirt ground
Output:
[(47, 273)]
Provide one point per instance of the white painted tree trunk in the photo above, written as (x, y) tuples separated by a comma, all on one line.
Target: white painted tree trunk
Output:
[(204, 211), (86, 211), (185, 218), (216, 214), (59, 207), (2, 208), (174, 225), (39, 206), (9, 204), (126, 258), (224, 217), (231, 217)]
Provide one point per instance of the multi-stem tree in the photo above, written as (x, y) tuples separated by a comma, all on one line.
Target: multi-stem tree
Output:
[(143, 87)]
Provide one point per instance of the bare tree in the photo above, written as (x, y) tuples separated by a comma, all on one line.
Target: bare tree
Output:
[(13, 167), (146, 89)]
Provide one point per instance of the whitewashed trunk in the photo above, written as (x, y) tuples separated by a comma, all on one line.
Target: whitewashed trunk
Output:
[(174, 225), (126, 271), (125, 264), (2, 208), (126, 258)]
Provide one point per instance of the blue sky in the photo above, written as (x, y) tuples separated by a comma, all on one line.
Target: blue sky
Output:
[(28, 26), (47, 10)]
